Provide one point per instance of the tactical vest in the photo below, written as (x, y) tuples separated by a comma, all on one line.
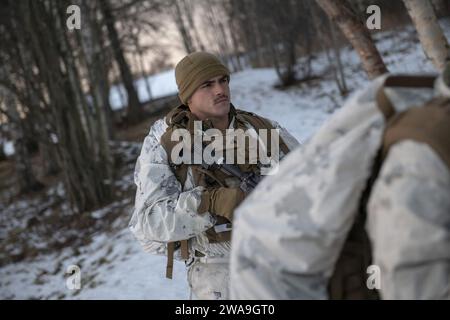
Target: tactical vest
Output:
[(428, 124), (182, 118)]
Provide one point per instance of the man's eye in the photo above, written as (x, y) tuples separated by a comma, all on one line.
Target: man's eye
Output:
[(206, 85)]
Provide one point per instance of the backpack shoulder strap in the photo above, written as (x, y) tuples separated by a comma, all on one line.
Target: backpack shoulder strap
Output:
[(407, 81), (258, 123), (171, 247), (427, 124)]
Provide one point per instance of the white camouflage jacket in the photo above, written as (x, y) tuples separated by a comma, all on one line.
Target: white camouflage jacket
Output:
[(164, 211), (289, 232)]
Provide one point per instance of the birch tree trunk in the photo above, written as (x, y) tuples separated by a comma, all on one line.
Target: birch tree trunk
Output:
[(431, 36), (356, 33)]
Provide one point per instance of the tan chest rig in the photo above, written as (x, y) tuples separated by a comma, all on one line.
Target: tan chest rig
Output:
[(182, 118)]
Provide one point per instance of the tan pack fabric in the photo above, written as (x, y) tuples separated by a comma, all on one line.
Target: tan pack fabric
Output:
[(222, 201), (181, 117), (429, 124), (258, 123), (171, 247)]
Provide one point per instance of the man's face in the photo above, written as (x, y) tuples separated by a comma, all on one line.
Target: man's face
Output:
[(212, 99)]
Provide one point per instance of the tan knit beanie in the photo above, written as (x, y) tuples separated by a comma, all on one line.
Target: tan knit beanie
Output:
[(194, 69)]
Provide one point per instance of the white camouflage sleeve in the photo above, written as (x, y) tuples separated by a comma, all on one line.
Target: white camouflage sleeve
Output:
[(288, 233), (409, 223), (163, 212)]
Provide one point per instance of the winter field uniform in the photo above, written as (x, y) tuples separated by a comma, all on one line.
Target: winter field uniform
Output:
[(311, 231), (169, 209)]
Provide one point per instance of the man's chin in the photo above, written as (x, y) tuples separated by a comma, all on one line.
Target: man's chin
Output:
[(224, 105), (222, 108)]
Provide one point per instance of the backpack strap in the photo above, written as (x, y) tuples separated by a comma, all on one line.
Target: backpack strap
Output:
[(429, 124), (169, 266), (180, 171), (385, 105), (171, 246), (184, 249), (258, 123)]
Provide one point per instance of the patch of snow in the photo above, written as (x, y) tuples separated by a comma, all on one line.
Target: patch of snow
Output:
[(8, 148), (161, 85)]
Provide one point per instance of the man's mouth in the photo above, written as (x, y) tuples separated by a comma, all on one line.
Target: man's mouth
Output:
[(224, 99)]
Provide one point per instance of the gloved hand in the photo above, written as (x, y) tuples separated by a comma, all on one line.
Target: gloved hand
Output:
[(221, 201)]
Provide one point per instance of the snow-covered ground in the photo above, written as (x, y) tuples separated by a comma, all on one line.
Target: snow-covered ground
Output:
[(112, 264), (161, 85)]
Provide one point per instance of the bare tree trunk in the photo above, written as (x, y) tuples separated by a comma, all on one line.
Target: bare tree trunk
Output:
[(2, 152), (327, 41), (84, 185), (144, 75), (340, 75), (259, 42), (84, 111), (91, 46), (22, 158), (104, 62), (38, 109), (182, 28), (441, 7), (236, 50), (354, 30), (189, 10), (134, 107), (95, 58), (430, 33), (49, 159)]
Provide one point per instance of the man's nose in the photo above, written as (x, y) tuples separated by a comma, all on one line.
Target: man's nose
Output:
[(219, 89)]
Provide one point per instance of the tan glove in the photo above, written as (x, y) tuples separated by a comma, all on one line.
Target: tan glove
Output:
[(221, 201)]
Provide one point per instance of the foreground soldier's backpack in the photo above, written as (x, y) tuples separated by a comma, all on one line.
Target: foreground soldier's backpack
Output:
[(312, 242), (180, 118), (428, 123)]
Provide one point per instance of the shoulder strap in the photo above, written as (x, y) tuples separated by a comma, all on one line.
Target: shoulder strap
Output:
[(258, 123), (171, 246), (169, 266), (385, 105)]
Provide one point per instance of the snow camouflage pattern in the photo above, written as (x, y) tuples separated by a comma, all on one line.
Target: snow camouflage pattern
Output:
[(166, 211), (286, 246), (414, 261)]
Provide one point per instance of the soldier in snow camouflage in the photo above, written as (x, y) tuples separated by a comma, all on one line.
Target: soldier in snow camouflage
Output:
[(319, 199), (183, 210)]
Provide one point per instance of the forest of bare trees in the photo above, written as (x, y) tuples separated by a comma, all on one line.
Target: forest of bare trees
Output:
[(55, 82), (55, 90)]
